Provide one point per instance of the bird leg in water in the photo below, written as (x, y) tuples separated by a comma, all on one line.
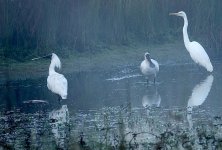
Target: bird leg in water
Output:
[(154, 80), (59, 98)]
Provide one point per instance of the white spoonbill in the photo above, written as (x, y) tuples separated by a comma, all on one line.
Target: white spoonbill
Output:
[(197, 52), (149, 67), (56, 82)]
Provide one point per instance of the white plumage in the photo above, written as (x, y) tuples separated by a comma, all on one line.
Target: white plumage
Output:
[(197, 52), (56, 82), (149, 67), (199, 55)]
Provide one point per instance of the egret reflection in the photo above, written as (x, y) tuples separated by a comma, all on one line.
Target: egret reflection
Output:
[(198, 96), (59, 121)]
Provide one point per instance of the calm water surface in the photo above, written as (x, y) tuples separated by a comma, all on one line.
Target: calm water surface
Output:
[(116, 109)]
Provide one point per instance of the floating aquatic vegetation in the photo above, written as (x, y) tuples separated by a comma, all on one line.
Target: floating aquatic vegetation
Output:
[(119, 127)]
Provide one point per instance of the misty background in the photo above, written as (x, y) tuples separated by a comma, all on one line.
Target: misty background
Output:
[(32, 28)]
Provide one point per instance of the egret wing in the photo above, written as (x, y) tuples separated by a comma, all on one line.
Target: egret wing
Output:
[(199, 55)]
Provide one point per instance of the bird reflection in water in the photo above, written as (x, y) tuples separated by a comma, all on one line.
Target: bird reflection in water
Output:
[(151, 99), (198, 96), (59, 122)]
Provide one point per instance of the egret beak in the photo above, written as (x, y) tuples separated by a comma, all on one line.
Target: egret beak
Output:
[(46, 56), (175, 14)]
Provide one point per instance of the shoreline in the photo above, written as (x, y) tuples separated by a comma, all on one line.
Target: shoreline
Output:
[(118, 56)]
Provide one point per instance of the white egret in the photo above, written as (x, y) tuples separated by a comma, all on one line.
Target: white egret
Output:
[(197, 52), (56, 82), (149, 67)]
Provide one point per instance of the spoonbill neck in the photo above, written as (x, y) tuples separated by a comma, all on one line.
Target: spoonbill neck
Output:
[(52, 68), (55, 62), (148, 59)]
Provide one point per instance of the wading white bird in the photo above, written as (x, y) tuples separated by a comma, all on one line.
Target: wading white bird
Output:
[(149, 67), (197, 52), (56, 82)]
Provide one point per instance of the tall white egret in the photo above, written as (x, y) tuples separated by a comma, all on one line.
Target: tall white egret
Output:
[(197, 52), (149, 67), (56, 82)]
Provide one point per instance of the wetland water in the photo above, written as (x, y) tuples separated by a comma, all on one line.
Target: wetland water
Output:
[(116, 109)]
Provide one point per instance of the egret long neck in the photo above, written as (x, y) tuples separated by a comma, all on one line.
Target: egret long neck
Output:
[(185, 34)]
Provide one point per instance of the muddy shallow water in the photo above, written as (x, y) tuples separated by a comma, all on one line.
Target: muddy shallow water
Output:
[(116, 109)]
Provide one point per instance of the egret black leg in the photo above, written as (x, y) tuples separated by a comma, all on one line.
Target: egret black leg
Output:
[(154, 80)]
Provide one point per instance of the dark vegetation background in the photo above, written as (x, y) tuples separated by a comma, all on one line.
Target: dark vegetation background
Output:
[(35, 27)]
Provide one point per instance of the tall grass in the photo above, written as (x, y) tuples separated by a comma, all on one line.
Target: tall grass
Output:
[(30, 28)]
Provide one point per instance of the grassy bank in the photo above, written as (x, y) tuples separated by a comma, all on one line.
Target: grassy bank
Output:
[(116, 56)]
